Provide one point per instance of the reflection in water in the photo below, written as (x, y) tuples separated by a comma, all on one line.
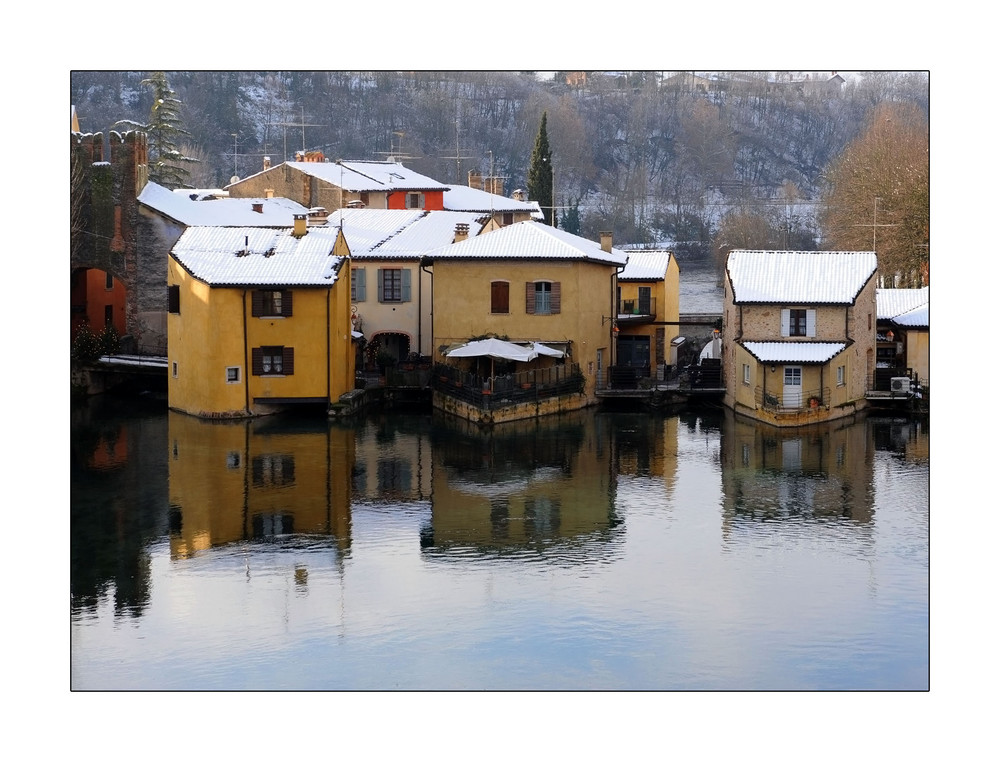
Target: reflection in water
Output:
[(616, 550), (543, 489), (257, 481)]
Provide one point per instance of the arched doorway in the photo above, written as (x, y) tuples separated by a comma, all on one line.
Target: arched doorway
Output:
[(386, 348)]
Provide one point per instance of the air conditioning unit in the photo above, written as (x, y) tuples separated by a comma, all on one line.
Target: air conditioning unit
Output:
[(900, 384)]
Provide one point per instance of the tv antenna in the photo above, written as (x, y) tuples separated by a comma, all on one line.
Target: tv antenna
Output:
[(396, 155), (458, 157), (301, 123)]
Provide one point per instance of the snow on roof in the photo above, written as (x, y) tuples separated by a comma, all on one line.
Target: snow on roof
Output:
[(794, 351), (222, 212), (646, 264), (800, 277), (918, 317), (426, 233), (359, 176), (529, 240), (890, 302), (462, 198), (224, 256)]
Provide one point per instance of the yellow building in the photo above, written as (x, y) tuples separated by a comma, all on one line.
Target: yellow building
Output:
[(527, 283), (648, 311), (258, 319), (798, 334)]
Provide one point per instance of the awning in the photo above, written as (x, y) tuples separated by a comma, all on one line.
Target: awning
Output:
[(794, 351), (499, 349)]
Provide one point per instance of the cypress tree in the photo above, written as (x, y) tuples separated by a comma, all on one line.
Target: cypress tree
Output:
[(540, 172)]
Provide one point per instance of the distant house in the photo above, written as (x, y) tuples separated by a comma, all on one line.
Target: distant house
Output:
[(798, 334), (258, 319), (342, 184), (903, 335), (494, 210), (648, 310), (529, 283)]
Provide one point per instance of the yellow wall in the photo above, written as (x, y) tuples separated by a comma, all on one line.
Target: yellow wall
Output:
[(462, 306), (216, 330), (918, 353)]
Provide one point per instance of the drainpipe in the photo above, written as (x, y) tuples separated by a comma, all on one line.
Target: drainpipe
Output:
[(426, 262), (329, 293), (614, 314), (247, 370)]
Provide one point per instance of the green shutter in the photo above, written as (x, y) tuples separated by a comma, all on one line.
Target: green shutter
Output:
[(379, 271), (359, 284), (406, 285)]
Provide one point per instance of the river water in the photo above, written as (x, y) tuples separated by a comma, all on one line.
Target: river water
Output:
[(594, 551)]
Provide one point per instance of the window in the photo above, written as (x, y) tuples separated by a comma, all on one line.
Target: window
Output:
[(109, 281), (173, 369), (233, 374), (645, 300), (414, 200), (393, 285), (273, 361), (500, 297), (542, 297), (798, 322), (272, 304), (174, 299), (746, 374), (840, 375), (358, 284)]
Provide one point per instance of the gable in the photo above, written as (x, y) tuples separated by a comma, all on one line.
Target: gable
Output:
[(799, 277)]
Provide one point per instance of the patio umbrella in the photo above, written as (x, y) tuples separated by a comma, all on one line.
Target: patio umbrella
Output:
[(495, 349), (546, 351)]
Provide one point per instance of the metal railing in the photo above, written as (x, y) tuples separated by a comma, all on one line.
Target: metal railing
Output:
[(808, 398), (491, 392), (637, 307)]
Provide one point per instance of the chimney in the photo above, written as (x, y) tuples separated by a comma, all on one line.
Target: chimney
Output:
[(518, 195), (269, 193), (258, 206), (461, 232), (267, 162), (300, 226), (606, 240)]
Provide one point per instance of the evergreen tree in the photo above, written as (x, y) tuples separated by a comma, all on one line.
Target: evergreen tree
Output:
[(540, 172), (164, 130), (571, 219)]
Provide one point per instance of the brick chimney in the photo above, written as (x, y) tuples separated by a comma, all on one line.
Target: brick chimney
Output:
[(258, 206), (461, 232), (267, 162), (606, 240), (300, 226)]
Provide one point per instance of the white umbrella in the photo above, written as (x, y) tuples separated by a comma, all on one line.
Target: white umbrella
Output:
[(495, 348), (546, 351)]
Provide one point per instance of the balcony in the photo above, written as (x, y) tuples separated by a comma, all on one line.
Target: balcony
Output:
[(636, 310)]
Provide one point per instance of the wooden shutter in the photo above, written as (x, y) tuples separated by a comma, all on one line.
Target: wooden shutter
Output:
[(529, 298), (287, 361), (257, 303), (174, 299), (379, 272), (257, 361), (785, 322), (405, 280), (500, 297), (286, 303), (556, 297), (359, 284), (811, 323)]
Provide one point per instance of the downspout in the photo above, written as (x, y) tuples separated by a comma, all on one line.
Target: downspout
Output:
[(424, 263), (246, 358), (614, 314)]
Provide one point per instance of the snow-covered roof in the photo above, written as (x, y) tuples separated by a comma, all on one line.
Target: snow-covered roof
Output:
[(794, 351), (362, 176), (918, 317), (462, 198), (221, 212), (426, 233), (223, 256), (530, 240), (890, 302), (646, 264), (799, 277)]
